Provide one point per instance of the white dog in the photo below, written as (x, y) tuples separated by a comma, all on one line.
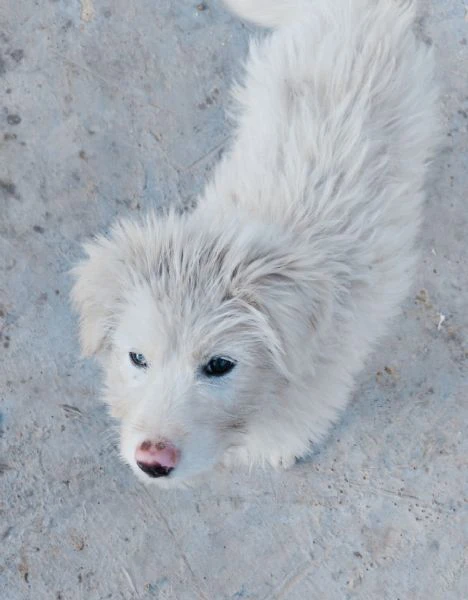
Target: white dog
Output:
[(234, 333)]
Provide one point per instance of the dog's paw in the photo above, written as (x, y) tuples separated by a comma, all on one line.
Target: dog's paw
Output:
[(235, 457), (282, 462), (241, 456)]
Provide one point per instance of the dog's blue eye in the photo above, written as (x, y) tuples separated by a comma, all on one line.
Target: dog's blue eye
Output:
[(218, 366), (138, 359)]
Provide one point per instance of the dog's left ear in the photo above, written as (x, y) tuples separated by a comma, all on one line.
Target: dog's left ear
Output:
[(294, 289), (95, 294)]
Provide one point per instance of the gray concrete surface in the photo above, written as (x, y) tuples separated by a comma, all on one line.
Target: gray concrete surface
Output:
[(108, 108)]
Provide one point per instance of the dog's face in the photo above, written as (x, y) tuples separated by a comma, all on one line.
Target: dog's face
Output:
[(197, 330)]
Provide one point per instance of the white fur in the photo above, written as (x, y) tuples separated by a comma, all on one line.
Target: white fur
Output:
[(297, 255)]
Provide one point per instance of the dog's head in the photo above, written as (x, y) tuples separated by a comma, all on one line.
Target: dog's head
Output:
[(200, 325)]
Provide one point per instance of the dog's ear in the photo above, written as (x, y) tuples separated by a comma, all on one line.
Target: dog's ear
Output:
[(95, 293), (294, 288)]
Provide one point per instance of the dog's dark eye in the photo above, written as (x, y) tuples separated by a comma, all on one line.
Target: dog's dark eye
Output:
[(138, 360), (218, 366)]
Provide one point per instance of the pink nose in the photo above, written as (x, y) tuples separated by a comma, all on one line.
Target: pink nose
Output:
[(157, 459)]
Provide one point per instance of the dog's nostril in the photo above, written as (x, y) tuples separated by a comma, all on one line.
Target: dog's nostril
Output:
[(155, 469)]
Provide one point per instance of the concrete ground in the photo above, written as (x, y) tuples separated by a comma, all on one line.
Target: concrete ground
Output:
[(109, 108)]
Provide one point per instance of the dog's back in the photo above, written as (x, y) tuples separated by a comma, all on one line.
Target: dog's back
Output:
[(336, 105), (337, 122)]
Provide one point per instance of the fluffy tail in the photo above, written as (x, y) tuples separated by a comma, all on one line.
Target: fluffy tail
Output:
[(268, 13)]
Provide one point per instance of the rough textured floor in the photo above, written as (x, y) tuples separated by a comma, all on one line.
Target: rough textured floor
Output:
[(108, 108)]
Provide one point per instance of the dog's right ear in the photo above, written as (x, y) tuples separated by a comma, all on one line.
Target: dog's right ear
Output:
[(95, 294)]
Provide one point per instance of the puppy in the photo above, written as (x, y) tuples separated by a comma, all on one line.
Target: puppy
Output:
[(234, 333)]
